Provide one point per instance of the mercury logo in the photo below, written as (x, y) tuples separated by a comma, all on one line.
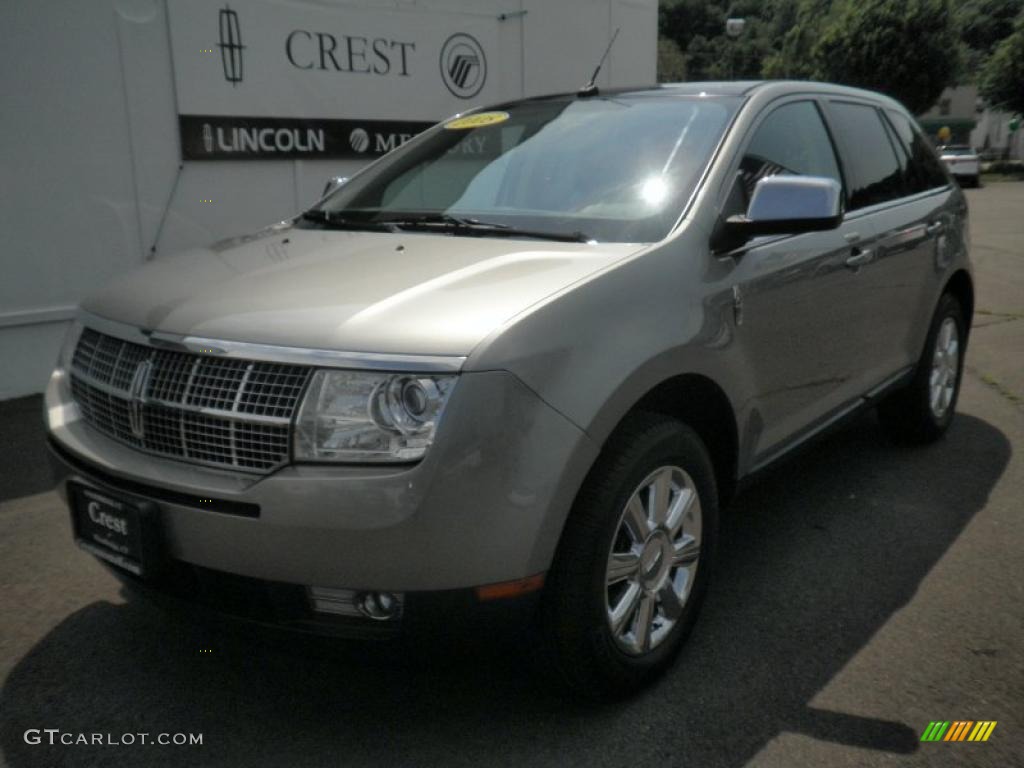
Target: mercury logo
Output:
[(230, 45), (359, 140), (463, 65)]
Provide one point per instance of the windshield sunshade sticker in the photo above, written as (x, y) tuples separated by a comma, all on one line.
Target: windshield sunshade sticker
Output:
[(478, 120)]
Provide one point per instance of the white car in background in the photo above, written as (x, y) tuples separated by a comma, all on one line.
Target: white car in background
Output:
[(963, 162)]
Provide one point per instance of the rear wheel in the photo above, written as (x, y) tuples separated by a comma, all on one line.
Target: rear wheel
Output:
[(924, 410), (633, 562)]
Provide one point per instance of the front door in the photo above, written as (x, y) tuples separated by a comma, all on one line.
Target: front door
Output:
[(803, 327)]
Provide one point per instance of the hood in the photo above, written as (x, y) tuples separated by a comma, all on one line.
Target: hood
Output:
[(401, 293)]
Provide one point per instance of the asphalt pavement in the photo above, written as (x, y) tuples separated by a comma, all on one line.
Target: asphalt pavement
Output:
[(864, 590)]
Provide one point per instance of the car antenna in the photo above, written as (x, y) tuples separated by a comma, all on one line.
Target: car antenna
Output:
[(590, 89)]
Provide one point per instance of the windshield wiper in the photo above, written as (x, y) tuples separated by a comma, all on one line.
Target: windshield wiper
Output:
[(470, 226), (334, 221)]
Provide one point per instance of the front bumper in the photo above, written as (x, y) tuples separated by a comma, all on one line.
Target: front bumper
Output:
[(486, 505), (218, 596)]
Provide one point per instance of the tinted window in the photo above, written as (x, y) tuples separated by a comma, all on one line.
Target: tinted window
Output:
[(874, 173), (925, 170), (907, 174), (792, 139)]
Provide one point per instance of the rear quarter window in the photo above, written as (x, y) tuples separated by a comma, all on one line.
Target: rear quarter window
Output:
[(924, 170)]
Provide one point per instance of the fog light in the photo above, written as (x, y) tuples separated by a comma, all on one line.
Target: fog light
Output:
[(380, 606)]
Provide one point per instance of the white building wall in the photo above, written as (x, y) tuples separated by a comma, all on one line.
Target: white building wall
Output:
[(90, 152), (959, 101), (992, 135)]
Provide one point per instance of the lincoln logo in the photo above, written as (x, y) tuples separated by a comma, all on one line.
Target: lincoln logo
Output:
[(463, 65), (230, 45), (136, 395)]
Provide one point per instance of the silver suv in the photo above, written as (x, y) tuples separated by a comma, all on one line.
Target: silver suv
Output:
[(521, 361)]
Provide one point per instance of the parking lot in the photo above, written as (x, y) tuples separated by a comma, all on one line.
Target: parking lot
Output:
[(865, 590)]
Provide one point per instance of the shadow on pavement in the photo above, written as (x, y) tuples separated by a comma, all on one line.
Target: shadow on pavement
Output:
[(816, 558), (27, 468)]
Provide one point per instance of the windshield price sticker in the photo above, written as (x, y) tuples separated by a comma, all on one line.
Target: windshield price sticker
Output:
[(478, 120)]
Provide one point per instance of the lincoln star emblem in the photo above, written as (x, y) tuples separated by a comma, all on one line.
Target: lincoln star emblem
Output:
[(230, 45), (136, 397)]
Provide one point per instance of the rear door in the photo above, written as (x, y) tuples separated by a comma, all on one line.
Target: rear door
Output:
[(904, 213), (938, 206)]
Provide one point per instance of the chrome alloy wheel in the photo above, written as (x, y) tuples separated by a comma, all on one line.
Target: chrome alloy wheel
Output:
[(945, 367), (653, 560)]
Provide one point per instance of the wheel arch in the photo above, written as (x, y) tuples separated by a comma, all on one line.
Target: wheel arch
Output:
[(703, 405), (961, 287)]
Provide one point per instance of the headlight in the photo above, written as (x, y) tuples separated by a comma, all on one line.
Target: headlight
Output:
[(369, 417)]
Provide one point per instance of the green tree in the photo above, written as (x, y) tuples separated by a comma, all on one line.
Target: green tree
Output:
[(684, 20), (982, 25), (671, 61), (698, 28), (1002, 79), (797, 29), (904, 48)]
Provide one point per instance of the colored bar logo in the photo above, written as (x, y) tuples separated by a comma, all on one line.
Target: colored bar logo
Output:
[(958, 730)]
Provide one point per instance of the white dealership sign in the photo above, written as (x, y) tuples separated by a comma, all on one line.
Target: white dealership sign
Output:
[(257, 78)]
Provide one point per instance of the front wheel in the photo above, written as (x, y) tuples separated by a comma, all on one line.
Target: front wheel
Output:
[(923, 411), (633, 563)]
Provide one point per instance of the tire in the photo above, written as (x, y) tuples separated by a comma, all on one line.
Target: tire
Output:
[(592, 660), (911, 415)]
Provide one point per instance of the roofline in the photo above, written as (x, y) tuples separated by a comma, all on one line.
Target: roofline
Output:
[(739, 88)]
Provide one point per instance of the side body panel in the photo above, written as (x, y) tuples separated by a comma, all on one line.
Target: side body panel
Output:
[(901, 283), (594, 350), (804, 332)]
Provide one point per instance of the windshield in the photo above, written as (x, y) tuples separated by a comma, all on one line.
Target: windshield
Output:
[(607, 169)]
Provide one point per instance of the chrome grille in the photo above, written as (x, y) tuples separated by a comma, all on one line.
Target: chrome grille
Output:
[(210, 410)]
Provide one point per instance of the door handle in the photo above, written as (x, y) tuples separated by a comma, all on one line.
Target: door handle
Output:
[(860, 259), (935, 228)]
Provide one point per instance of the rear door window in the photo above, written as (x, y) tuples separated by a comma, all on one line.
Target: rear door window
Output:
[(925, 169), (873, 170)]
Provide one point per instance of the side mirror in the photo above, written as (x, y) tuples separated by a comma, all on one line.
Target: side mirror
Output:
[(786, 205), (333, 183)]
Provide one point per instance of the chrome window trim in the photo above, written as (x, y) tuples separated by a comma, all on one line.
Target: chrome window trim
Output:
[(321, 358)]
